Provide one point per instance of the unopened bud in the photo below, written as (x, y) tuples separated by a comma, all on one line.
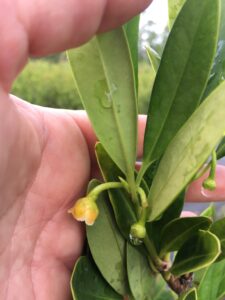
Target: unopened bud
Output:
[(138, 231), (209, 184)]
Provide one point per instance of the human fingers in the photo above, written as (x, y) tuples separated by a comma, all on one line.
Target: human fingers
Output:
[(56, 25), (186, 214), (196, 193), (44, 27)]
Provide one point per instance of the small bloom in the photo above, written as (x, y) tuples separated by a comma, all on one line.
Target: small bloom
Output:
[(85, 209)]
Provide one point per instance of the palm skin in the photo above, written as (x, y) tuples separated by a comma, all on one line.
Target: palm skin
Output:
[(46, 155), (52, 161), (39, 240), (44, 158)]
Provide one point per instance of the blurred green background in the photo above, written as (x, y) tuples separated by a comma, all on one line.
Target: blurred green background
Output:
[(48, 81)]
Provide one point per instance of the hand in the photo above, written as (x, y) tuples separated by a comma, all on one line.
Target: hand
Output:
[(46, 155), (44, 158)]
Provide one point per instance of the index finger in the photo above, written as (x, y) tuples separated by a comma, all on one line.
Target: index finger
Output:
[(43, 27)]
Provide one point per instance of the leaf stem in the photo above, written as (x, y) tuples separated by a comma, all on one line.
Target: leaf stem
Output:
[(132, 187), (211, 164), (201, 172), (159, 264), (210, 182), (143, 198), (212, 173), (140, 175)]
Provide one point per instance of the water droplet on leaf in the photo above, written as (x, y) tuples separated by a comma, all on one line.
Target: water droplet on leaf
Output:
[(135, 241), (109, 96), (104, 94)]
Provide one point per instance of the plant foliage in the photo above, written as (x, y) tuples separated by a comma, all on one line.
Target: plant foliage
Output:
[(139, 247)]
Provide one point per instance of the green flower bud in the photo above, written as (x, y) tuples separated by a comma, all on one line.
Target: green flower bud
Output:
[(209, 184), (138, 231)]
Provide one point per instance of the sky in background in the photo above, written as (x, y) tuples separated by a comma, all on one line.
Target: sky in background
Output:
[(158, 13)]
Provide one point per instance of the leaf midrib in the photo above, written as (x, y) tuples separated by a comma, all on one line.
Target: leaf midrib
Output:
[(113, 107), (177, 88), (166, 183)]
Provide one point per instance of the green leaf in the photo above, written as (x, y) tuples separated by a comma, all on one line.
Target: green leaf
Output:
[(197, 253), (221, 290), (212, 285), (154, 58), (105, 81), (139, 275), (209, 212), (220, 152), (174, 7), (190, 295), (217, 74), (150, 173), (218, 228), (122, 205), (198, 275), (182, 75), (188, 151), (88, 284), (178, 231), (172, 212), (108, 247), (132, 30), (143, 284)]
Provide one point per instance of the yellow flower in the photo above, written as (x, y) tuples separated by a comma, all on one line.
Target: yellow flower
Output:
[(85, 209)]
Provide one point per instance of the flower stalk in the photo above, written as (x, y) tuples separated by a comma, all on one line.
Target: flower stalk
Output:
[(210, 182), (86, 209)]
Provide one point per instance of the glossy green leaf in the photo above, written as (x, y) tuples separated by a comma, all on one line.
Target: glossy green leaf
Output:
[(218, 228), (143, 284), (218, 71), (122, 206), (182, 75), (174, 7), (88, 284), (190, 295), (197, 253), (188, 151), (132, 30), (108, 247), (154, 58), (209, 212), (178, 231), (104, 78), (220, 152), (217, 74), (212, 285), (172, 212)]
